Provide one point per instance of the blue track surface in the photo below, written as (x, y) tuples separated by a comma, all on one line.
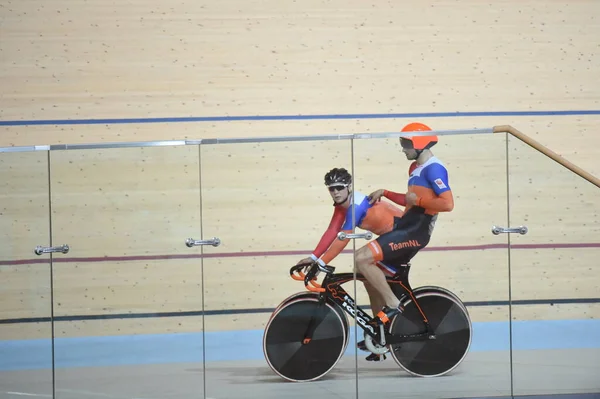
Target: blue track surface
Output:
[(247, 345)]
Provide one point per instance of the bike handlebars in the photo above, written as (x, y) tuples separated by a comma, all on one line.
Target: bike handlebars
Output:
[(310, 278)]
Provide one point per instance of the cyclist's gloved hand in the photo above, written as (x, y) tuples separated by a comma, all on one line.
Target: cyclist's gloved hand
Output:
[(311, 273), (310, 261), (306, 261)]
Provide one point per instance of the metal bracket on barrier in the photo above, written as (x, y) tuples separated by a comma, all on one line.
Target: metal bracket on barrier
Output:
[(342, 236), (215, 242), (46, 250), (521, 230)]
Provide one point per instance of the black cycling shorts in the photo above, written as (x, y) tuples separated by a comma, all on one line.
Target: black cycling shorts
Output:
[(411, 233)]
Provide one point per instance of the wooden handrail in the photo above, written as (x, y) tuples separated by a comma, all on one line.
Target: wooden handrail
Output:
[(549, 153)]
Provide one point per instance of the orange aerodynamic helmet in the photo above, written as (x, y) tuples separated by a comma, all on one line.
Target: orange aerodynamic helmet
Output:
[(418, 143)]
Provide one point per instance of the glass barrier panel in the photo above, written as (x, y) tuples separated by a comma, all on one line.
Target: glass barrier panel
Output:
[(128, 295), (555, 278), (458, 270), (268, 206), (25, 278)]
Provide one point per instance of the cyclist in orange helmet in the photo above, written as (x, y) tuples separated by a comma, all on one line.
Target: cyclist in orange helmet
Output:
[(428, 194)]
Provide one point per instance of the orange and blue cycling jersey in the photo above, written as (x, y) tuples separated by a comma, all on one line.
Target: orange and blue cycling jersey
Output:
[(413, 230), (430, 183), (377, 218)]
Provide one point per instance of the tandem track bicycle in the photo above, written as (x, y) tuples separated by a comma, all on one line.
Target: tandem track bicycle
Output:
[(308, 332)]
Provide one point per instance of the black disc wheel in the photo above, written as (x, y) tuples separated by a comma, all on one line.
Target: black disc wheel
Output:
[(452, 333), (286, 347)]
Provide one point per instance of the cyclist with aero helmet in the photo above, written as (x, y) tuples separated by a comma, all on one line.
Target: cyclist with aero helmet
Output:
[(350, 209), (428, 194)]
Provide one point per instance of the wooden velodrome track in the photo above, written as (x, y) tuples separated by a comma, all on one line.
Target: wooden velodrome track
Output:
[(125, 213)]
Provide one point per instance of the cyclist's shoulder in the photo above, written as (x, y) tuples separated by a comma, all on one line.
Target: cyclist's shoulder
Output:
[(436, 175), (434, 166), (435, 162), (360, 204), (361, 201)]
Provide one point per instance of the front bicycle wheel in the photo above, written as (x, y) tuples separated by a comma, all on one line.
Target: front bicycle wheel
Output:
[(315, 295), (283, 342), (451, 326)]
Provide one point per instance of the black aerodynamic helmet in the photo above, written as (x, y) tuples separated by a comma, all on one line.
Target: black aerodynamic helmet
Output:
[(338, 176)]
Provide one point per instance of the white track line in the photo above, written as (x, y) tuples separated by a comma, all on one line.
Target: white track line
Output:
[(41, 395), (97, 394)]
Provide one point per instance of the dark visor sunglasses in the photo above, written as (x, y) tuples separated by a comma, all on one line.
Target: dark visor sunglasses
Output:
[(337, 188), (406, 143)]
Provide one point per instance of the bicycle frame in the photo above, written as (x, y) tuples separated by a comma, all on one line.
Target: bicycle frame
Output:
[(330, 289)]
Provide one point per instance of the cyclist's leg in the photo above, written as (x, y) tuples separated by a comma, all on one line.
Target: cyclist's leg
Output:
[(365, 263), (379, 257), (377, 303), (375, 298), (368, 267)]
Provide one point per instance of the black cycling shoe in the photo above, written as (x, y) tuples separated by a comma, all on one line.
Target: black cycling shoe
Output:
[(373, 357), (386, 314)]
